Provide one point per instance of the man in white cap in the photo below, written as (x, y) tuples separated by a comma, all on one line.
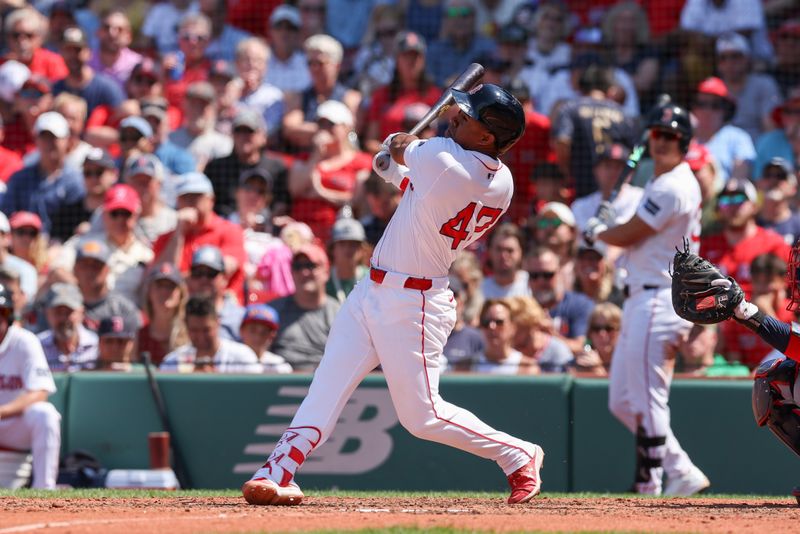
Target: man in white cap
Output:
[(44, 186), (198, 225), (756, 94)]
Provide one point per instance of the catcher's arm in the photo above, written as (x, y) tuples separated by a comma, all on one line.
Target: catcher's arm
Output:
[(782, 336)]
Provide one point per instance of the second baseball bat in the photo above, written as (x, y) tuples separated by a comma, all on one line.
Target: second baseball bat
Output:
[(471, 76)]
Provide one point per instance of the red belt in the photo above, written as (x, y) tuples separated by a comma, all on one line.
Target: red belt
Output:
[(421, 284)]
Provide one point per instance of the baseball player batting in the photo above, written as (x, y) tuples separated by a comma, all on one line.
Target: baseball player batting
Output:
[(27, 420), (455, 190), (639, 381)]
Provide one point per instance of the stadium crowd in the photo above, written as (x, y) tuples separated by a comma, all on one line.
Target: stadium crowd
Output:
[(192, 180)]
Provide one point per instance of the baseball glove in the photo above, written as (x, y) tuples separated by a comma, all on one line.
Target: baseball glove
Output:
[(700, 292)]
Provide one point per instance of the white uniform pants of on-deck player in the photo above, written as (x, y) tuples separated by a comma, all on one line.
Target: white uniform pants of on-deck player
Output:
[(38, 429), (639, 382), (403, 330)]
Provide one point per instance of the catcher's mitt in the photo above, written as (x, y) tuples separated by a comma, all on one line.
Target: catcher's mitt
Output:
[(700, 292)]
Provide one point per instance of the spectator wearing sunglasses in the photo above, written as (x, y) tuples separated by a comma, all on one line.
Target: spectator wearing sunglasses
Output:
[(601, 338), (554, 227), (307, 314), (28, 243), (287, 68), (740, 238), (778, 186), (569, 310), (113, 56), (713, 108), (127, 254), (499, 357), (189, 63), (158, 29), (24, 30), (782, 141), (99, 174), (504, 261), (207, 279)]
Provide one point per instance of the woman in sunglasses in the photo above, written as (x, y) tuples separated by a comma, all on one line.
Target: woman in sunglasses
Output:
[(732, 147), (601, 339)]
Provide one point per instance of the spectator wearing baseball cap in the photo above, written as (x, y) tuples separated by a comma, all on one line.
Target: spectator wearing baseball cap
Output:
[(732, 147), (556, 228), (113, 56), (249, 144), (408, 85), (778, 186), (259, 328), (165, 296), (252, 58), (206, 350), (44, 185), (177, 160), (32, 99), (198, 225), (99, 174), (207, 279), (197, 133), (288, 67), (28, 277), (594, 273), (27, 241), (117, 337), (755, 94), (348, 254), (307, 314), (253, 198), (145, 174), (68, 345), (608, 165), (82, 80)]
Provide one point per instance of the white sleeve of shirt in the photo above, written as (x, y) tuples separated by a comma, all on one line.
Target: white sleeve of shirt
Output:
[(658, 206), (36, 373), (429, 159)]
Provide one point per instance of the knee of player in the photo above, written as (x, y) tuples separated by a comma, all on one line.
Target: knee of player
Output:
[(418, 425), (43, 413)]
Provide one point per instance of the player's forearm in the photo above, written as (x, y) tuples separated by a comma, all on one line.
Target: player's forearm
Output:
[(397, 147), (776, 333), (21, 403)]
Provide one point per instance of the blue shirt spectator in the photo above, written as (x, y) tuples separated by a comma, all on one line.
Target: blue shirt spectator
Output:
[(175, 158), (729, 145), (224, 46), (445, 60), (571, 315), (101, 90), (347, 20)]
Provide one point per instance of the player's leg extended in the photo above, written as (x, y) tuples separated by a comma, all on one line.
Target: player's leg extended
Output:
[(349, 357), (624, 362), (44, 422), (409, 329)]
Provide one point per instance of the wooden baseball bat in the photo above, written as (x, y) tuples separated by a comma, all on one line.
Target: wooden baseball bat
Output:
[(181, 472), (471, 76)]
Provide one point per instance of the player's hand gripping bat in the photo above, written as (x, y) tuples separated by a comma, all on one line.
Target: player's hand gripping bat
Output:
[(465, 82)]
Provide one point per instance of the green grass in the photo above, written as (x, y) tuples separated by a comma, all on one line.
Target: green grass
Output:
[(110, 493)]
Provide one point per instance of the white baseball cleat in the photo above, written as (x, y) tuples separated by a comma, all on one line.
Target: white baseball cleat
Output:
[(692, 482), (264, 492)]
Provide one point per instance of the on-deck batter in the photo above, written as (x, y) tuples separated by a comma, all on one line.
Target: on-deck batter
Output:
[(640, 375), (27, 420), (455, 191)]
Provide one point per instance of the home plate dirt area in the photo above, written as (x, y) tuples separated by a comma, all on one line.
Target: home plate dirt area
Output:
[(560, 514)]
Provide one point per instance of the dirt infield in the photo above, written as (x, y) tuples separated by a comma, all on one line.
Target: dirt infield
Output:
[(226, 514)]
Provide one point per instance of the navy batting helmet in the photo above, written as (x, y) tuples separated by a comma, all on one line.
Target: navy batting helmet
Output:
[(674, 118), (497, 109)]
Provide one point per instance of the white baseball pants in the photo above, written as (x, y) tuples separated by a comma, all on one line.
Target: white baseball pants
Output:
[(38, 429)]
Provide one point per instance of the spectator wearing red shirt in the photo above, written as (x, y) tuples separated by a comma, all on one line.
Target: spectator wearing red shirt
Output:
[(189, 64), (198, 225), (10, 161), (34, 98), (332, 174), (24, 30), (741, 239), (532, 149), (409, 85)]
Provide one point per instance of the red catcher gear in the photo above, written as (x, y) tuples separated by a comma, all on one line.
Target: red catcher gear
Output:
[(793, 277)]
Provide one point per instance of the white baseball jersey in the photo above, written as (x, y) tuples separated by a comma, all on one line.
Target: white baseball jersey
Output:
[(672, 205), (459, 192), (23, 366), (231, 357), (625, 204)]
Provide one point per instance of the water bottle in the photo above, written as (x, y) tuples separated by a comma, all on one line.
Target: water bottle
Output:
[(176, 72)]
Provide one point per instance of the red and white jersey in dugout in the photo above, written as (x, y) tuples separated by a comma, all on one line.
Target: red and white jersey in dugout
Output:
[(452, 197)]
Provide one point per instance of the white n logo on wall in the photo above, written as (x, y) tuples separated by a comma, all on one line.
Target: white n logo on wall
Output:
[(359, 444)]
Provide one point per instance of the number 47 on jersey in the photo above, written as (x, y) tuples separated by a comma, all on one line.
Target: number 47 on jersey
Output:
[(457, 227)]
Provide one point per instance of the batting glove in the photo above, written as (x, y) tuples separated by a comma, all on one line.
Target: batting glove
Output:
[(594, 227), (388, 141)]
